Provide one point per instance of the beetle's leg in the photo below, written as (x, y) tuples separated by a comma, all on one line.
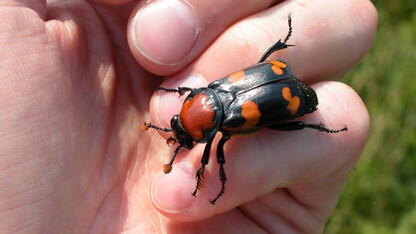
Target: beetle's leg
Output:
[(180, 90), (168, 167), (221, 161), (200, 172), (298, 125), (279, 45)]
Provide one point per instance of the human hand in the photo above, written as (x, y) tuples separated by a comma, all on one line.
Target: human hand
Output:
[(73, 158)]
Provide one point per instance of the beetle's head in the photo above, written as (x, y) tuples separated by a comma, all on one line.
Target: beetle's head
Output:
[(181, 136)]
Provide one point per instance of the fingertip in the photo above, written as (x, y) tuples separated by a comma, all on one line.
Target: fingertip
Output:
[(165, 36), (340, 105), (367, 14), (171, 193), (161, 34), (339, 97)]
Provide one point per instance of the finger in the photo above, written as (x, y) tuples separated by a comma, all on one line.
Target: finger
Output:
[(320, 51), (164, 36), (257, 165), (39, 6)]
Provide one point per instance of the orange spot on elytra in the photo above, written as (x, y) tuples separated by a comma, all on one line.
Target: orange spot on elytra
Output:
[(236, 76), (250, 112), (294, 101), (277, 67)]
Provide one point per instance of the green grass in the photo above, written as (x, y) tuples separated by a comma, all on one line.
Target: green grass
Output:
[(380, 195)]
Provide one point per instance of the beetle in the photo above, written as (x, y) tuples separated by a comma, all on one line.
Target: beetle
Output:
[(266, 95)]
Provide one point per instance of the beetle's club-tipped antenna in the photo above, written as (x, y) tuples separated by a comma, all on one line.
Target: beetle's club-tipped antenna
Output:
[(146, 126), (170, 141)]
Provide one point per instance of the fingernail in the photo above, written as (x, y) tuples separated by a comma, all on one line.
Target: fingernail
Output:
[(164, 31), (172, 192), (169, 104)]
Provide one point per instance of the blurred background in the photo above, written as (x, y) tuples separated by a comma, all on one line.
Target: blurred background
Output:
[(380, 195)]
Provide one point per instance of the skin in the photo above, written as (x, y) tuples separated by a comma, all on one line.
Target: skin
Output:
[(73, 97)]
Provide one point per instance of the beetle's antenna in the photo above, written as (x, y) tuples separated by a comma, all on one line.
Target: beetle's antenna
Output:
[(146, 126), (289, 22)]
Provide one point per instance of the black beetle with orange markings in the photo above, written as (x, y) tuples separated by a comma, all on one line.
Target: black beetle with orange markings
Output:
[(266, 95)]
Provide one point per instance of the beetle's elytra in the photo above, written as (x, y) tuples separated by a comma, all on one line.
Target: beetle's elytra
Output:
[(266, 95)]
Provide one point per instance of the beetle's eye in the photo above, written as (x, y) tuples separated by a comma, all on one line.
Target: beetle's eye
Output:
[(171, 141)]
